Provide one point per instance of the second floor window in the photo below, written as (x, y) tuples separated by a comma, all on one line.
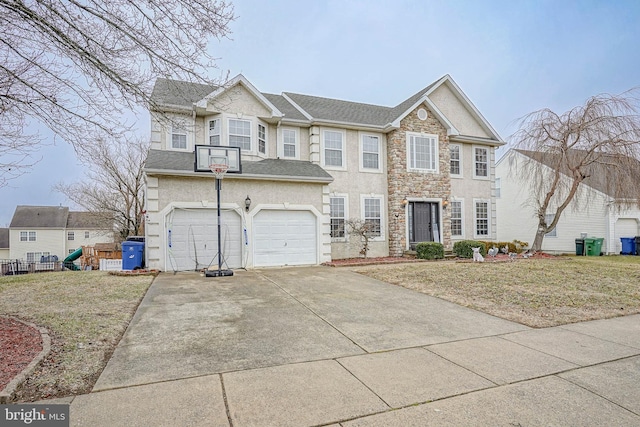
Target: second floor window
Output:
[(240, 134), (86, 234), (178, 137), (71, 235), (456, 218), (289, 143), (214, 132), (262, 139), (333, 148), (423, 153), (370, 152), (454, 151), (481, 162), (27, 236)]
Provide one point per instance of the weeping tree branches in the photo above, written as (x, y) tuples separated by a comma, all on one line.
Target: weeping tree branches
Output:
[(597, 143), (113, 186), (73, 66)]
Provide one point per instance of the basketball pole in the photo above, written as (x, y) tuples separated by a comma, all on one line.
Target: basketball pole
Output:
[(220, 272)]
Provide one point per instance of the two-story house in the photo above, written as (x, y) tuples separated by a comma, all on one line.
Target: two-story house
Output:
[(420, 171), (37, 231)]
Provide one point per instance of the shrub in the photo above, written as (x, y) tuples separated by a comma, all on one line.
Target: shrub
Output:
[(430, 250), (463, 248), (516, 246)]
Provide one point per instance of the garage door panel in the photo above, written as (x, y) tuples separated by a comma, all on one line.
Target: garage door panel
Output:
[(194, 239), (285, 238)]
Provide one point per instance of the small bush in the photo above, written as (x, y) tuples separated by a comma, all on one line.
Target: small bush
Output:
[(516, 246), (463, 248), (430, 250)]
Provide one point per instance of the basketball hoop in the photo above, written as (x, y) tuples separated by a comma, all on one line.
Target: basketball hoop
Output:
[(219, 169)]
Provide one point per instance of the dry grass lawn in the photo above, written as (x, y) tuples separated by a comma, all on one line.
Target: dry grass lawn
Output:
[(86, 313), (535, 292)]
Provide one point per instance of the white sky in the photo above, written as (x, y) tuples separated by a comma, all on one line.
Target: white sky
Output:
[(509, 57)]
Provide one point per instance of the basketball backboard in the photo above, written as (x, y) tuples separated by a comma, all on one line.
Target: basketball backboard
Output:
[(208, 154)]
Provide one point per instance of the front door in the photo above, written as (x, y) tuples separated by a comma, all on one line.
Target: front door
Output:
[(423, 223)]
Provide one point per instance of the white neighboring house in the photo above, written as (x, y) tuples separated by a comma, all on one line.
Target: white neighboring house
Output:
[(422, 170), (37, 231), (4, 243), (602, 217)]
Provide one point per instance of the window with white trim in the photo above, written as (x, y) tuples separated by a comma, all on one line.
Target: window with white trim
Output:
[(455, 154), (240, 134), (481, 162), (457, 229), (71, 235), (86, 234), (262, 139), (178, 137), (481, 218), (289, 147), (372, 215), (333, 152), (214, 131), (422, 152), (36, 256), (548, 218), (370, 152), (27, 236), (338, 214)]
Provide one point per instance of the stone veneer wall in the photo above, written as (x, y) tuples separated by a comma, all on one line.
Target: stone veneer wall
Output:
[(402, 183)]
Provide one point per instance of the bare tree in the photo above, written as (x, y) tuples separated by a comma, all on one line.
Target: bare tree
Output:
[(73, 66), (363, 229), (113, 186), (597, 143)]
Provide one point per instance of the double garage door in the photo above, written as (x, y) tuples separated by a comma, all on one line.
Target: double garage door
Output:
[(280, 237)]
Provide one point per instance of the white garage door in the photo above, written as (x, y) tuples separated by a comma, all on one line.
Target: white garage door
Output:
[(284, 238), (625, 227), (192, 239)]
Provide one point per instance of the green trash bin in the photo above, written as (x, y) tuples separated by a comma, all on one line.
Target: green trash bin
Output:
[(593, 246)]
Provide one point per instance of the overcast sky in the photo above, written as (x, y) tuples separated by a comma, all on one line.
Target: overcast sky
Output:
[(509, 57)]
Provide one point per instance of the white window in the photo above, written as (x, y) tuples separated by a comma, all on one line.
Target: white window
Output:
[(86, 234), (481, 162), (422, 152), (71, 235), (333, 151), (481, 218), (457, 229), (214, 132), (289, 146), (498, 188), (338, 214), (178, 137), (370, 153), (455, 153), (262, 139), (36, 256), (27, 236), (548, 218), (240, 134), (71, 251), (372, 215)]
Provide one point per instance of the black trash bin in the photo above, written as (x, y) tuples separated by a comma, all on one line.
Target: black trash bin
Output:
[(580, 247)]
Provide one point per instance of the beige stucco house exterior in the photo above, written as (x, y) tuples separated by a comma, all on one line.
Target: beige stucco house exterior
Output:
[(420, 171), (596, 214)]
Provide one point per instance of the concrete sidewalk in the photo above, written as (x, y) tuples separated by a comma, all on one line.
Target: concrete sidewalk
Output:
[(326, 346)]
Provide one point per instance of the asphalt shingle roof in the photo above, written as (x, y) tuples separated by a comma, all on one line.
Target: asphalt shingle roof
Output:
[(285, 107), (40, 217), (176, 92), (180, 161), (87, 220)]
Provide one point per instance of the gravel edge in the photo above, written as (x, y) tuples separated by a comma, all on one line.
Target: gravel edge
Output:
[(7, 393)]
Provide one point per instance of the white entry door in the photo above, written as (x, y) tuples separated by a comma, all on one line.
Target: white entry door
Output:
[(192, 239), (282, 237)]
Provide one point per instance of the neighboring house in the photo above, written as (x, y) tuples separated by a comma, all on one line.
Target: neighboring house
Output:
[(599, 214), (4, 243), (37, 231), (420, 171)]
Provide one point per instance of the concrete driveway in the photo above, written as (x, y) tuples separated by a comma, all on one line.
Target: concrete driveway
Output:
[(326, 346)]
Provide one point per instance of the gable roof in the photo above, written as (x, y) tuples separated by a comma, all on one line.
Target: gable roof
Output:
[(87, 220), (40, 217), (600, 176), (4, 238), (314, 109), (176, 162)]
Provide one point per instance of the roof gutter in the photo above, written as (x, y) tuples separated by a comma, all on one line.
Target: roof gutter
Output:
[(258, 177)]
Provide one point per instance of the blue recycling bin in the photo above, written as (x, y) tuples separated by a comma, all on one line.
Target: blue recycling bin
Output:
[(132, 255), (628, 245)]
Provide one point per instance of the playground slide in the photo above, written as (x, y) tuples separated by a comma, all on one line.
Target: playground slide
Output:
[(68, 261)]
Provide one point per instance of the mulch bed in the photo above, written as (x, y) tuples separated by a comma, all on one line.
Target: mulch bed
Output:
[(356, 262), (19, 345)]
